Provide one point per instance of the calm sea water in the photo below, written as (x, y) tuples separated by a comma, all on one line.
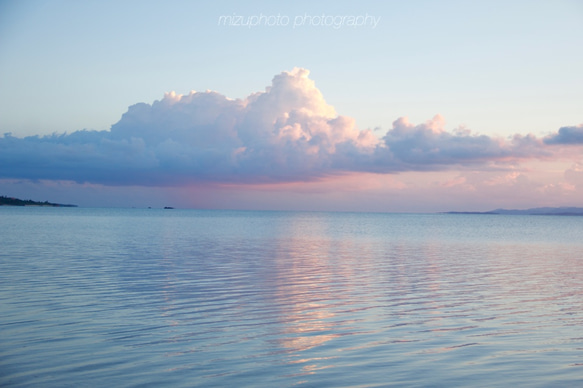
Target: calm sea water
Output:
[(125, 298)]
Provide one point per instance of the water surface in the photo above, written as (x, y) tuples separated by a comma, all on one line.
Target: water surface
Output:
[(110, 297)]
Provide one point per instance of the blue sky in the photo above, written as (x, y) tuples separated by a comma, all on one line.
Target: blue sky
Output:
[(497, 68)]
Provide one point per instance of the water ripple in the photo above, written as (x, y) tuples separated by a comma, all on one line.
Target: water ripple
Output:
[(133, 298)]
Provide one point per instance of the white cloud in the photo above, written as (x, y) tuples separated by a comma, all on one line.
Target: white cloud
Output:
[(287, 133)]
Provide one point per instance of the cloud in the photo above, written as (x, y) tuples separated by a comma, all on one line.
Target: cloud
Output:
[(574, 175), (566, 135), (428, 146), (288, 133)]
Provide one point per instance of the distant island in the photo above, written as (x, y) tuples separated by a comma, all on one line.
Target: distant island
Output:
[(538, 211), (9, 201)]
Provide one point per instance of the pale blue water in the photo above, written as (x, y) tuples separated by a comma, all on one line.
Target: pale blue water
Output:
[(126, 298)]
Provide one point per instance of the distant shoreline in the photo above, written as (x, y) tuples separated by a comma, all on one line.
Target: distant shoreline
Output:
[(539, 211), (9, 201), (542, 211)]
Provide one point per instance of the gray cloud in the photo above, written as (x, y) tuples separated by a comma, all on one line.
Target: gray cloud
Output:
[(286, 133), (566, 135)]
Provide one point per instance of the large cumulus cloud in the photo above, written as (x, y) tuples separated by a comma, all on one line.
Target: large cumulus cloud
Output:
[(286, 133)]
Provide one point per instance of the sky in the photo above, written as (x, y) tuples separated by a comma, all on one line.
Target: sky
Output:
[(390, 106)]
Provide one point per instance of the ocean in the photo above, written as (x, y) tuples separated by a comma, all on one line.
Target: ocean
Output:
[(208, 298)]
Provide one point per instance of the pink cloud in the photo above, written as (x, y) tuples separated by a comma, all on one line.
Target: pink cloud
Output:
[(287, 133)]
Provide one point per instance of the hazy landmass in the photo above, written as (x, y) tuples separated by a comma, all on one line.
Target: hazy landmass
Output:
[(538, 211), (9, 201)]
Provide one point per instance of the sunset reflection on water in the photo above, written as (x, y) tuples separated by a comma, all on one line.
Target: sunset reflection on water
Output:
[(269, 299)]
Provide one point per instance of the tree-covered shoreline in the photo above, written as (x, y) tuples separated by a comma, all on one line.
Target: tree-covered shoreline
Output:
[(10, 201)]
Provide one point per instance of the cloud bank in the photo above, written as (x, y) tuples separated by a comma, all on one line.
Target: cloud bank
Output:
[(288, 133)]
